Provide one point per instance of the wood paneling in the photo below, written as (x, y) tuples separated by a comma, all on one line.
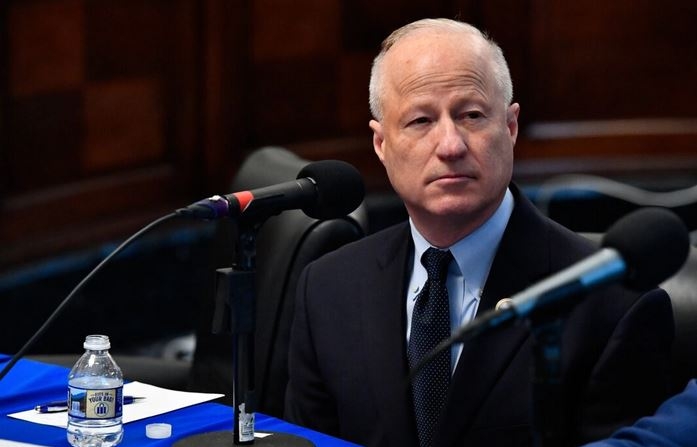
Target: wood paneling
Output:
[(622, 60), (294, 29), (115, 111), (100, 119), (46, 50), (112, 140), (42, 140)]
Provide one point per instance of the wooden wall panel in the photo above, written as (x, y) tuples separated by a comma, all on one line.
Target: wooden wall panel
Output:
[(295, 48), (46, 47), (226, 94), (42, 140), (352, 93), (111, 138), (131, 38), (109, 97), (99, 102), (294, 29), (622, 60)]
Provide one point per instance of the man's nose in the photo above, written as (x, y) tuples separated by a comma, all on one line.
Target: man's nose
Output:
[(451, 139)]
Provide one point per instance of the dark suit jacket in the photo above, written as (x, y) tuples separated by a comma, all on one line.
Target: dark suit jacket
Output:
[(348, 363)]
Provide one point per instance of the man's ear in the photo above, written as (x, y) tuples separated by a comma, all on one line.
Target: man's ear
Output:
[(512, 121), (378, 138)]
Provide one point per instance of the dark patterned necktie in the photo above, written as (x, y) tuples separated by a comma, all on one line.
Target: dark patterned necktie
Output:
[(430, 324)]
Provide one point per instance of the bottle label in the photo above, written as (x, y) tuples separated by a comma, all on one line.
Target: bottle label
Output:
[(245, 424), (95, 404)]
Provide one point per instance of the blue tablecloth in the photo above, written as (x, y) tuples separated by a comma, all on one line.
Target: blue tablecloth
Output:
[(30, 382)]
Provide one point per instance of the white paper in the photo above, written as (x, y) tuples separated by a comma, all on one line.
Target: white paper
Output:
[(8, 443), (157, 401)]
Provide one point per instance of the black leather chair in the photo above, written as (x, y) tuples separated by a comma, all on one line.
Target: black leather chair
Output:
[(285, 244), (682, 288), (590, 204)]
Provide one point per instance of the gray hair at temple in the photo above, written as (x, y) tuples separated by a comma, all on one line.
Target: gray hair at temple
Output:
[(499, 66)]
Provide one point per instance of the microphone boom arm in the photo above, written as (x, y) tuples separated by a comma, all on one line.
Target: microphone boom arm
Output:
[(549, 295)]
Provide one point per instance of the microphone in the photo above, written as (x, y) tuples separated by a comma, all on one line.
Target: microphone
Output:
[(324, 189), (642, 249)]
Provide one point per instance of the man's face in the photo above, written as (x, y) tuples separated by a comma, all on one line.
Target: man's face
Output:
[(446, 136)]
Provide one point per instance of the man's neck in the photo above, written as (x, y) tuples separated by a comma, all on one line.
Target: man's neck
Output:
[(445, 231)]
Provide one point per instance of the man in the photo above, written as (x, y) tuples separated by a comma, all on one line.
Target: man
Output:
[(444, 127)]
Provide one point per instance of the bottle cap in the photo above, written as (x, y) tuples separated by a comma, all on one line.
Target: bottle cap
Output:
[(97, 343), (158, 431)]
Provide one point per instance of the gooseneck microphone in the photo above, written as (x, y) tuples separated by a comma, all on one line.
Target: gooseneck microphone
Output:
[(63, 305), (642, 249), (324, 189)]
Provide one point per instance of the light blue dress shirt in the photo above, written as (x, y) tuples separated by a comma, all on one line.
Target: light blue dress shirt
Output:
[(474, 255)]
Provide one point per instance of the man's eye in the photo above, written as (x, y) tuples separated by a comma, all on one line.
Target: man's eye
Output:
[(419, 120), (473, 114)]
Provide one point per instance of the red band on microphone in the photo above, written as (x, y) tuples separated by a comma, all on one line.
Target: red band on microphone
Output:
[(244, 198)]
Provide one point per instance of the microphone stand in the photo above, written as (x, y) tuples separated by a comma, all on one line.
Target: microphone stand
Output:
[(548, 411), (235, 314), (549, 418)]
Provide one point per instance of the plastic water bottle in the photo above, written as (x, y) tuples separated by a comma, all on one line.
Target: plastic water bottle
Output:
[(95, 397)]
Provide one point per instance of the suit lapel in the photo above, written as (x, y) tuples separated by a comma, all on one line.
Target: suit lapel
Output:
[(383, 318), (521, 259)]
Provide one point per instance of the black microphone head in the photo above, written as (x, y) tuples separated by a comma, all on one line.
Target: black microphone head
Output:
[(339, 185), (653, 242)]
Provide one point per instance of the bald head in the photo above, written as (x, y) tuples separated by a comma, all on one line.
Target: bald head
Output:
[(493, 55)]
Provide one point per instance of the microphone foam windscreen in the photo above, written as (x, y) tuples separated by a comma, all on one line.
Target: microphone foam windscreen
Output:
[(339, 186), (654, 244)]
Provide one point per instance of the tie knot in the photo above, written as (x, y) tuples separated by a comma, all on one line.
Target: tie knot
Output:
[(436, 263)]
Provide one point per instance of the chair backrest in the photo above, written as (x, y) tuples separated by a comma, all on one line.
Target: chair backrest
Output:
[(588, 203), (585, 202), (682, 289), (285, 244)]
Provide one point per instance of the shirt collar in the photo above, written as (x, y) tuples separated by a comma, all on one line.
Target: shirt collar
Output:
[(475, 252)]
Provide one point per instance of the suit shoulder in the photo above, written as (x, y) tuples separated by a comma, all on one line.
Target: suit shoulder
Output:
[(375, 242)]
